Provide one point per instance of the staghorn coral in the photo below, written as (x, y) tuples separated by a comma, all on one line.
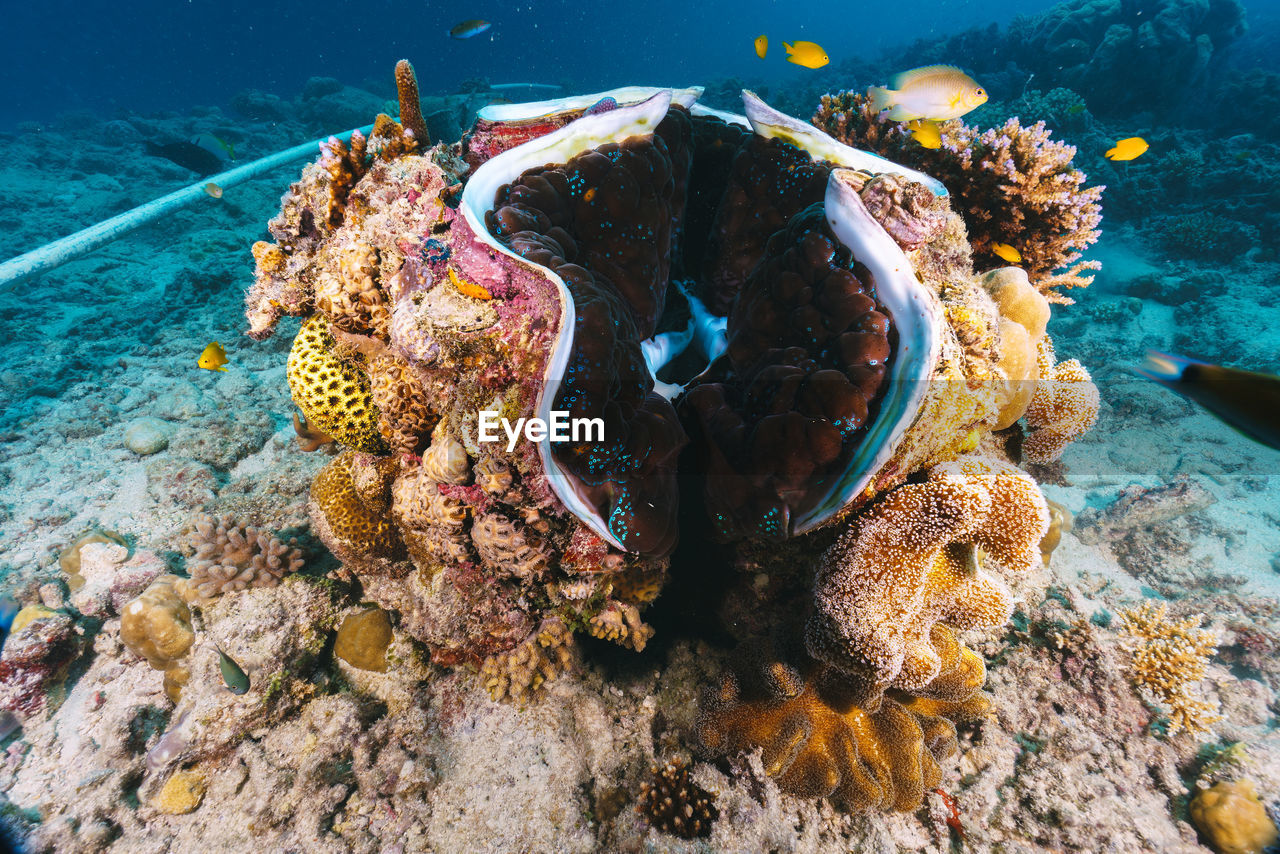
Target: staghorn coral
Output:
[(519, 673), (1168, 658), (673, 803), (917, 559), (333, 393), (227, 556), (1011, 184), (1233, 818), (405, 416), (819, 740), (1064, 405)]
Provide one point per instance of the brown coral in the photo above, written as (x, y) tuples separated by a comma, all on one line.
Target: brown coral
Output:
[(157, 626), (354, 530), (349, 294), (818, 740), (1233, 818), (502, 542), (673, 803), (410, 105), (620, 622), (1064, 406), (227, 556), (1169, 658), (917, 559), (1012, 185), (405, 415), (519, 673)]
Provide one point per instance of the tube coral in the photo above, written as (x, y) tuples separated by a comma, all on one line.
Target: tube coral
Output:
[(1012, 184)]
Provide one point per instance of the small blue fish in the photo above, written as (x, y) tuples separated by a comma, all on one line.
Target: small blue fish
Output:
[(1246, 400), (236, 680), (467, 29)]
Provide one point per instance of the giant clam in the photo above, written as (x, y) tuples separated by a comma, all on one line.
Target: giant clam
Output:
[(741, 300)]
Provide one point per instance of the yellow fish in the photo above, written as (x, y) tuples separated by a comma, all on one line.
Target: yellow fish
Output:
[(213, 357), (937, 92), (762, 46), (925, 132), (1007, 252), (1127, 149), (213, 190), (807, 54)]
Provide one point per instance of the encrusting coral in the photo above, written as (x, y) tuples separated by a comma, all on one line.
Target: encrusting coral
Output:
[(1232, 817), (1169, 658), (227, 556), (1012, 184), (363, 639), (916, 560), (673, 803)]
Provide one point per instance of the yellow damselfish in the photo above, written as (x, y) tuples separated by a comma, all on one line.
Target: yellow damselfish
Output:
[(762, 46), (807, 54), (937, 92), (1007, 252), (925, 132), (213, 357), (1127, 149)]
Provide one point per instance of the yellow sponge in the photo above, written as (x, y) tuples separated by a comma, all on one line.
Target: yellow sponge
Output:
[(333, 393)]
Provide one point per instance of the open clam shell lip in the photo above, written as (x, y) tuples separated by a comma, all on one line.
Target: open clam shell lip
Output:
[(915, 313), (625, 97), (771, 124), (478, 198), (917, 318)]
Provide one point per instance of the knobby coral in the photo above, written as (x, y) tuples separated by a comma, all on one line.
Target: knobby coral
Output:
[(1012, 184), (1064, 405), (673, 803), (228, 556), (1168, 658)]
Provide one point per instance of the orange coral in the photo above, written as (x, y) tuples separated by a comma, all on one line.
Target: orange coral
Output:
[(916, 560), (818, 740), (405, 415), (1064, 406), (359, 531)]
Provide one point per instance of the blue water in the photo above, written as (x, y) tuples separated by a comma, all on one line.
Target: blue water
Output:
[(163, 55)]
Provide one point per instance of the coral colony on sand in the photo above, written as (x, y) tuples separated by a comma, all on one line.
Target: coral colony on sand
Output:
[(778, 328)]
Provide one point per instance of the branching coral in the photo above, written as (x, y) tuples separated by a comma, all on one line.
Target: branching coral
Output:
[(410, 105), (916, 560), (673, 803), (1064, 405), (1012, 185), (1169, 658), (228, 556)]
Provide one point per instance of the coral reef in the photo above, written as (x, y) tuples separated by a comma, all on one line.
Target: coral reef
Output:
[(157, 626), (1169, 658), (334, 394), (1233, 819), (227, 556), (674, 804), (34, 661), (1012, 184), (410, 105)]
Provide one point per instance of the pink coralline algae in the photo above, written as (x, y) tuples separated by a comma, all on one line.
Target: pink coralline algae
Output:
[(34, 660)]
